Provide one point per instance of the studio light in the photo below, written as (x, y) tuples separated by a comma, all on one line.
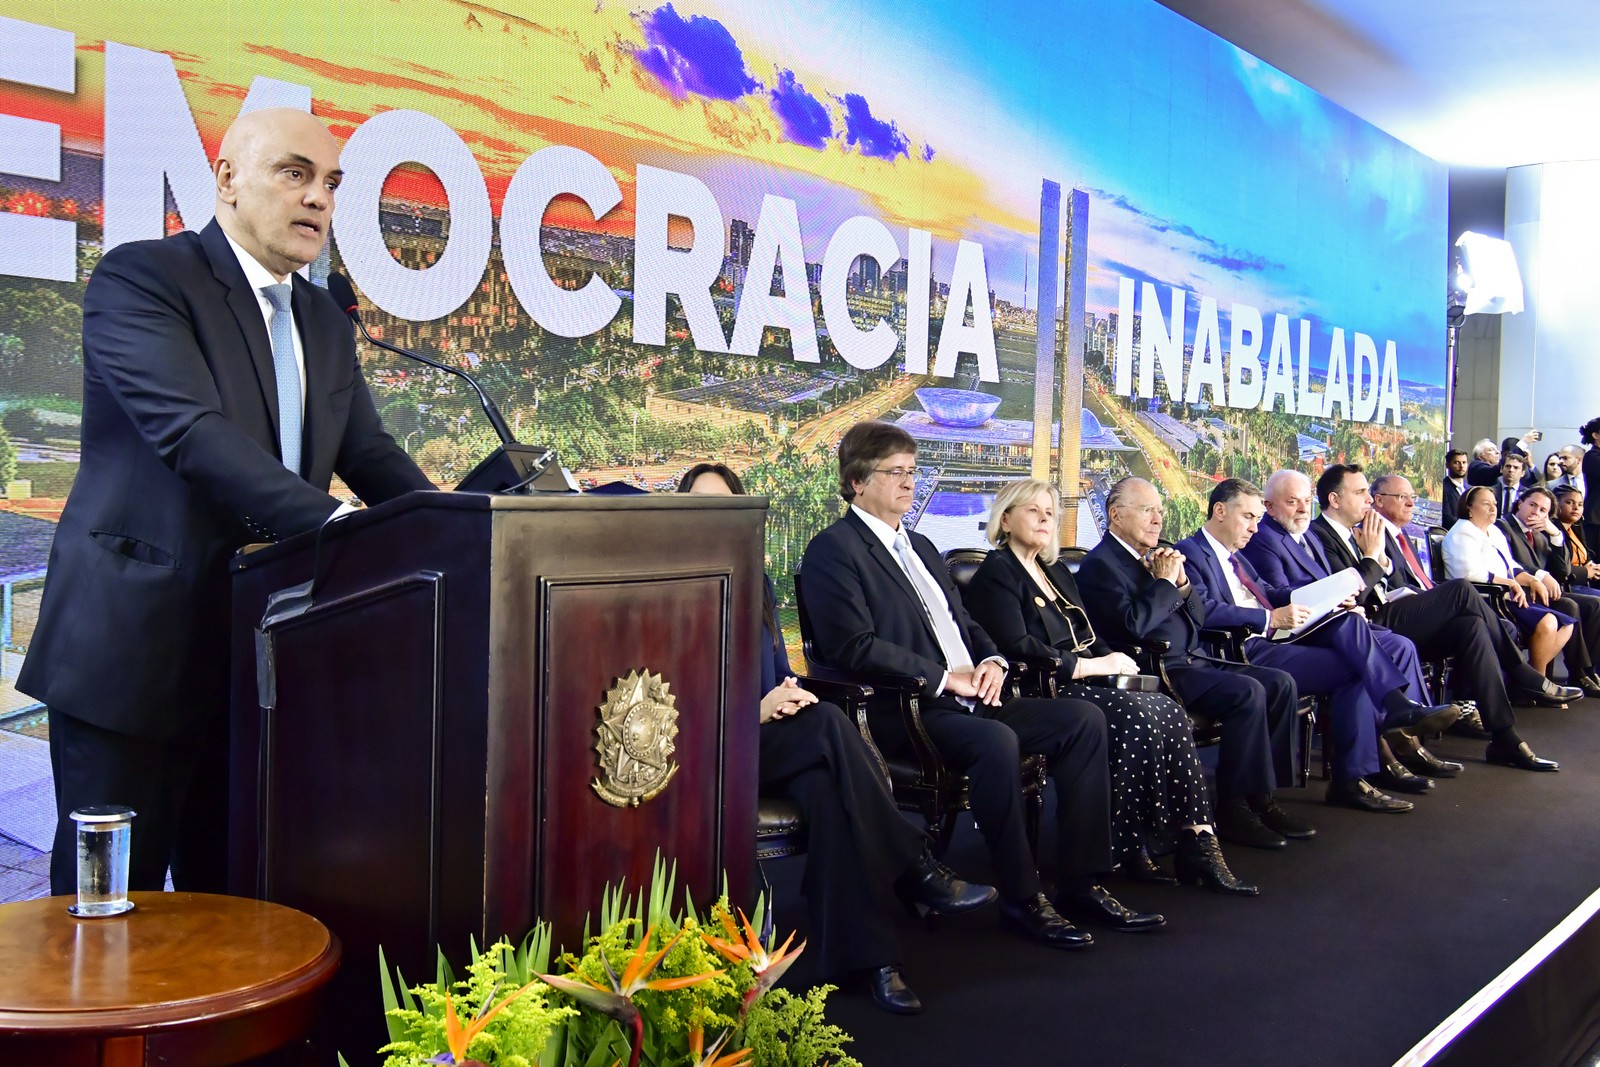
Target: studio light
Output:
[(1486, 277)]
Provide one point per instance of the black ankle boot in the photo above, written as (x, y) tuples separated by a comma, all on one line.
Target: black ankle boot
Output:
[(1198, 861)]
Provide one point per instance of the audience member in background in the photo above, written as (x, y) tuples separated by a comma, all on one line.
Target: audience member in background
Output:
[(1477, 551), (858, 843), (1569, 520), (1485, 466), (1448, 619), (1509, 485), (1455, 483), (1028, 601), (1571, 457), (880, 599), (1138, 592), (1590, 472), (1286, 554), (1339, 657), (1539, 547), (1552, 471)]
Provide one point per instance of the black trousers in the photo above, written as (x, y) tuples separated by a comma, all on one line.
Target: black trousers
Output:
[(1256, 708), (858, 841), (177, 786), (1583, 649), (1452, 620), (986, 744)]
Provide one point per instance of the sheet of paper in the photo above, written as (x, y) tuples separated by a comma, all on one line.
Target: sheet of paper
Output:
[(1323, 597)]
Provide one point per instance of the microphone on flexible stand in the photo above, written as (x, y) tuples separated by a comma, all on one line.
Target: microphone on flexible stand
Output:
[(510, 468)]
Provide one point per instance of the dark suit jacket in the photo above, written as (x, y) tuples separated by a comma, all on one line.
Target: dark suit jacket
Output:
[(1211, 586), (1130, 606), (1006, 602), (1543, 556), (1591, 483), (1340, 555), (180, 467), (1481, 473), (866, 615), (1450, 500), (1281, 562)]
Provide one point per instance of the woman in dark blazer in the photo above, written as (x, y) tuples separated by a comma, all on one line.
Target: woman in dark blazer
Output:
[(858, 842), (1028, 603), (1591, 484)]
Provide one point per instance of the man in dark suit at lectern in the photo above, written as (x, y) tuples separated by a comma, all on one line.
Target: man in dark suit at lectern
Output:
[(879, 598), (221, 393)]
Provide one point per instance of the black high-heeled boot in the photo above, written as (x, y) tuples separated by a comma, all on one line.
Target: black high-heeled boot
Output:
[(1198, 861), (1137, 865)]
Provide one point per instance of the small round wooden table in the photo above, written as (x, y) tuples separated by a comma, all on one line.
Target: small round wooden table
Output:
[(188, 979)]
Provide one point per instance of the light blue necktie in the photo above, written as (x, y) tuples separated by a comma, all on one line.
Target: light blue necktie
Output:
[(287, 370), (951, 643)]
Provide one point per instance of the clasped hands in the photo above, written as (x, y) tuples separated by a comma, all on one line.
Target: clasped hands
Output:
[(981, 683), (785, 699), (1368, 534), (1166, 563), (1539, 590)]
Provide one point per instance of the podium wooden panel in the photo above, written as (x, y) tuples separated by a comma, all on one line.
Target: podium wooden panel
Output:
[(423, 772)]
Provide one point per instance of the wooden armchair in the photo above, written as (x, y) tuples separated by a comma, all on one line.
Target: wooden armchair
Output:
[(918, 778)]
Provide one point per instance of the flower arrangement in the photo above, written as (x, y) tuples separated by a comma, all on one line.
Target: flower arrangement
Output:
[(656, 987)]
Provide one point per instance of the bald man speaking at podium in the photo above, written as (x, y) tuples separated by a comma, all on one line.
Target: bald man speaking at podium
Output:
[(220, 395)]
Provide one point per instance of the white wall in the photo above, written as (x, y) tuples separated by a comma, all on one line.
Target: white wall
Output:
[(1550, 353)]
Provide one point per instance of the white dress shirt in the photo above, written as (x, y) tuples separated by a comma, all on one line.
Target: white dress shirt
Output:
[(887, 534), (1242, 597)]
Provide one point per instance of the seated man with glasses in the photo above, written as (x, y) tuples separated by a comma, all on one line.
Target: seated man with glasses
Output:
[(1138, 592), (879, 599), (1448, 619)]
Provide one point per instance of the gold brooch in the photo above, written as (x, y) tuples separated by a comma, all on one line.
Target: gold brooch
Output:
[(634, 740), (1039, 601)]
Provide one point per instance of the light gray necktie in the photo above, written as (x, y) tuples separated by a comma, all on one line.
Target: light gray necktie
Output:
[(287, 370), (956, 656)]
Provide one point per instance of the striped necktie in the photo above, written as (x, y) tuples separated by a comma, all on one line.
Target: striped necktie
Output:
[(286, 369)]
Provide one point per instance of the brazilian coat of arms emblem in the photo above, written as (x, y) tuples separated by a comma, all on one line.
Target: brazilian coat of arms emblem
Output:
[(634, 740)]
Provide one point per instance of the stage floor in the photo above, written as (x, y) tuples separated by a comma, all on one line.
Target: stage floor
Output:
[(1361, 942)]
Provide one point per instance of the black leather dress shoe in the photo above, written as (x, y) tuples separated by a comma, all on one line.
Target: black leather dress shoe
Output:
[(932, 886), (1037, 919), (1419, 760), (890, 992), (1357, 793), (1590, 686), (1470, 724), (1237, 824), (1198, 861), (1274, 818), (1519, 756), (1551, 695), (1421, 719), (1100, 907), (1396, 779), (1137, 866)]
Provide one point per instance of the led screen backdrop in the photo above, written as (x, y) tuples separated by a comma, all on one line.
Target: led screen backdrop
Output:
[(729, 231)]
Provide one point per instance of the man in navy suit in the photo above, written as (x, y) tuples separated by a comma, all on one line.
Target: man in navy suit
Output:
[(1449, 619), (1455, 483), (1288, 556), (1338, 656), (221, 394), (1139, 593), (880, 600)]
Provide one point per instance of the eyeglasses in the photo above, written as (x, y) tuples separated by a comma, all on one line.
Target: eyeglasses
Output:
[(899, 474), (1146, 509), (1407, 498)]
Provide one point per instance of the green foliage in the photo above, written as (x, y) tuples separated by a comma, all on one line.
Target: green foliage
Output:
[(544, 1027), (8, 459), (516, 1037), (783, 1030)]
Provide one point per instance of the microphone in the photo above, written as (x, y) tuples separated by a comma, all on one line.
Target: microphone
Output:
[(510, 468)]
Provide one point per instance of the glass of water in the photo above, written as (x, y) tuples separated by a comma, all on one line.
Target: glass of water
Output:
[(103, 837)]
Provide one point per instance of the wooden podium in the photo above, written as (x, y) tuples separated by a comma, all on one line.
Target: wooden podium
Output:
[(415, 756)]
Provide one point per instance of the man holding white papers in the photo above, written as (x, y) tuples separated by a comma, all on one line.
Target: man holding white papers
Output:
[(1445, 619), (1339, 657)]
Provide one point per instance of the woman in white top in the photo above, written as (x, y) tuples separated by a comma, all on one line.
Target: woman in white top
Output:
[(1477, 550)]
